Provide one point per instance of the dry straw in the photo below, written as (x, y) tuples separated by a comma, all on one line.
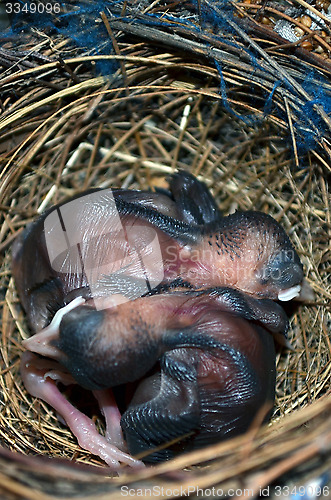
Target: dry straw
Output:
[(65, 129)]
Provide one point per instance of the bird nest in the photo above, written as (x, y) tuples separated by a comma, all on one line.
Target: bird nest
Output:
[(211, 88)]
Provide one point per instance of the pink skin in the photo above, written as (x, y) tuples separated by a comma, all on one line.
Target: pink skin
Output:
[(110, 411), (38, 376)]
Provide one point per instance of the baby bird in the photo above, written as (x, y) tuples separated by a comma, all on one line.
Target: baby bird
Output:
[(204, 363), (158, 291)]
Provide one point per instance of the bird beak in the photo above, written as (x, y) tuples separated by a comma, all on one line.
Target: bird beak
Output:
[(302, 293), (289, 293)]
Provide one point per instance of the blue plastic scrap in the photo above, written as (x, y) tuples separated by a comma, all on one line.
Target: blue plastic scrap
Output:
[(80, 21)]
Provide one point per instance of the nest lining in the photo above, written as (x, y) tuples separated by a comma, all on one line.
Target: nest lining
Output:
[(70, 133)]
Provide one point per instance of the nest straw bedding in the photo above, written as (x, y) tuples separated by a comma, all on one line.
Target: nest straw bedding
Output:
[(208, 87)]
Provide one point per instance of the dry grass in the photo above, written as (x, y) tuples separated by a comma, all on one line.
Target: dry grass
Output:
[(65, 130)]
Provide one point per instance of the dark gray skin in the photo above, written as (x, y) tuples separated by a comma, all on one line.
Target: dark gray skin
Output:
[(248, 251)]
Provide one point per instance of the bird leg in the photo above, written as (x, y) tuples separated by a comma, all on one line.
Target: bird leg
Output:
[(110, 411), (40, 382)]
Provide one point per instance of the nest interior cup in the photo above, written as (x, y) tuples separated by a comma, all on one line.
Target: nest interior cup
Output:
[(68, 125)]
